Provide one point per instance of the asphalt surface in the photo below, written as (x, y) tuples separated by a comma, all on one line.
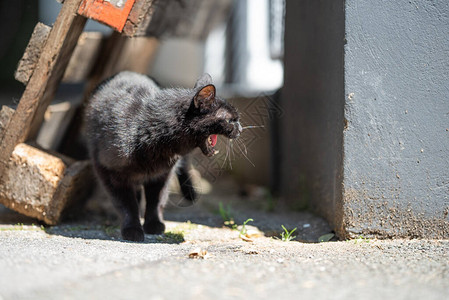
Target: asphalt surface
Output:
[(202, 259)]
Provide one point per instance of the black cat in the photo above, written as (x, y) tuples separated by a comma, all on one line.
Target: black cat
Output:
[(138, 135)]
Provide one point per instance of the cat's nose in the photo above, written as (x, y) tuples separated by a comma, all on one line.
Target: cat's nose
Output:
[(240, 128)]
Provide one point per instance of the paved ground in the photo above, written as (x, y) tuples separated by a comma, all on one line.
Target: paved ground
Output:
[(86, 259)]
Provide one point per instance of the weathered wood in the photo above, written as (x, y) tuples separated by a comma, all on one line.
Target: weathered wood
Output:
[(109, 55), (31, 178), (192, 19), (42, 184), (5, 116), (80, 64), (83, 57), (57, 120), (42, 85), (28, 62), (137, 54), (201, 17), (76, 185), (139, 18), (113, 13)]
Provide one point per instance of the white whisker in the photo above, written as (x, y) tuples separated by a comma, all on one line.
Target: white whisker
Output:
[(253, 126), (241, 143), (226, 155), (245, 155), (231, 148)]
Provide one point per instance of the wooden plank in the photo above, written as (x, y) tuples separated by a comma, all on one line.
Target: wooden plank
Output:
[(42, 184), (201, 17), (28, 62), (57, 120), (139, 17), (113, 13), (136, 55), (80, 64), (31, 178), (84, 57), (42, 85), (192, 19)]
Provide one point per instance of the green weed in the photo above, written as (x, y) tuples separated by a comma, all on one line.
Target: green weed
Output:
[(361, 239), (21, 226), (286, 236), (172, 237), (111, 230), (226, 215), (243, 231)]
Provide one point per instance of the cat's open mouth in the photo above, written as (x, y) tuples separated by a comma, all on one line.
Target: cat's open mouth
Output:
[(208, 146), (212, 140)]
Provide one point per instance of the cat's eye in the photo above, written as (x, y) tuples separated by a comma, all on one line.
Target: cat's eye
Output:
[(229, 121)]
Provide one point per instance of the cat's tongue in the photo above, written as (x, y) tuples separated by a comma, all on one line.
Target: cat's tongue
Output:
[(213, 140)]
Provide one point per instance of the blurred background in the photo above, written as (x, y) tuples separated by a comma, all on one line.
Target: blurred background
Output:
[(240, 43)]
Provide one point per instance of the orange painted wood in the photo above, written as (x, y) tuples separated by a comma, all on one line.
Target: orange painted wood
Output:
[(107, 13)]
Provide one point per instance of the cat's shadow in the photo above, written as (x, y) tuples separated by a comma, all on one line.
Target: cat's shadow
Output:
[(99, 227), (102, 223), (107, 233)]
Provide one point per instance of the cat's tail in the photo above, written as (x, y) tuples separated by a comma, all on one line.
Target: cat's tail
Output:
[(185, 179)]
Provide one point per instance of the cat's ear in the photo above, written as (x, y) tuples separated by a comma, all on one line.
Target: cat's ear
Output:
[(205, 97), (204, 80)]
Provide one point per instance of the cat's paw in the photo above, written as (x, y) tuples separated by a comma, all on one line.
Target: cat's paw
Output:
[(154, 227), (134, 234)]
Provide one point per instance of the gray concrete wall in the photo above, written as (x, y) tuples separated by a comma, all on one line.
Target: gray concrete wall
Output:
[(396, 144), (365, 133), (312, 99)]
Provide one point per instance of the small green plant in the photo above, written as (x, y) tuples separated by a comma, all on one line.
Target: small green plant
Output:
[(243, 231), (76, 228), (111, 230), (361, 239), (286, 236), (21, 226), (172, 237), (226, 215)]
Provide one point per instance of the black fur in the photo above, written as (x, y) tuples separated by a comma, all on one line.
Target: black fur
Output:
[(138, 135)]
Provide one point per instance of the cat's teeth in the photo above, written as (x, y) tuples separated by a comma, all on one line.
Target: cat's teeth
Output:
[(209, 140), (216, 152)]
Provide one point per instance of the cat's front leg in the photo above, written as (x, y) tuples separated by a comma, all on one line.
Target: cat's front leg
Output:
[(124, 198), (131, 228), (126, 202), (156, 194)]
